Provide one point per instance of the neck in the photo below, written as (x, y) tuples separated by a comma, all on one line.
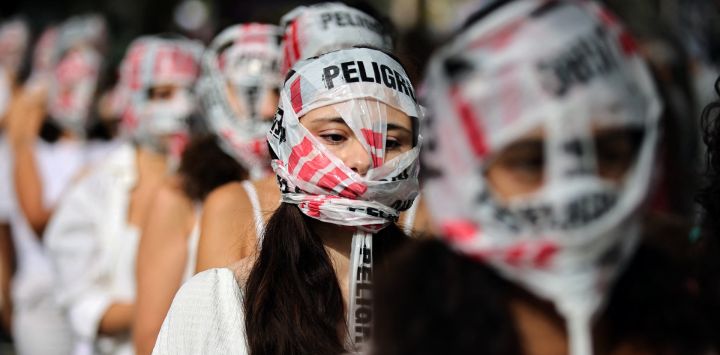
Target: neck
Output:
[(543, 330), (338, 244), (151, 165), (69, 136)]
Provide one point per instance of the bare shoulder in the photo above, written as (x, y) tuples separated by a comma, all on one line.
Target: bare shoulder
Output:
[(170, 195), (226, 227), (230, 195), (241, 268)]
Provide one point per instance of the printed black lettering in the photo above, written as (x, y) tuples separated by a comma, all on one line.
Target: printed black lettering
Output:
[(387, 76), (376, 71), (364, 273), (363, 290), (583, 61), (339, 19), (401, 205), (373, 212), (363, 74), (348, 68), (401, 83), (277, 129), (366, 255), (351, 20), (363, 315), (330, 73), (326, 18), (363, 332), (364, 301)]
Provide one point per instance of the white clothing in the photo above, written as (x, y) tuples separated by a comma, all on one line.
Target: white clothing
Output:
[(193, 241), (5, 195), (93, 250), (257, 212), (35, 310), (206, 317), (6, 189)]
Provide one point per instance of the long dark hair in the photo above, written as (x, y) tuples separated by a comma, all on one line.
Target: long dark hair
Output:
[(709, 196), (293, 303), (205, 166), (433, 300), (708, 263)]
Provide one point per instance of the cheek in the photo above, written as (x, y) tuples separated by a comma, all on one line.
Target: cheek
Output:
[(392, 154), (507, 185)]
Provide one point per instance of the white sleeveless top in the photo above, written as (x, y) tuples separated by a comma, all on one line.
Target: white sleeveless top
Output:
[(193, 241), (257, 212), (206, 317)]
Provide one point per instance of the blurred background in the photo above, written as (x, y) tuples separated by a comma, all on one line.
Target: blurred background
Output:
[(679, 29), (680, 38)]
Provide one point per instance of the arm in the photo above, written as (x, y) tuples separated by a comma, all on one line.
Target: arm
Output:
[(161, 261), (24, 122), (206, 317), (227, 232), (74, 244), (7, 268), (28, 187)]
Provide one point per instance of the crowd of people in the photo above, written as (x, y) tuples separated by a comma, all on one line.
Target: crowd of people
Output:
[(292, 188)]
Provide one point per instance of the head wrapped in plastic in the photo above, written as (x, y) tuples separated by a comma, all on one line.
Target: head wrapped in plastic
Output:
[(361, 85), (75, 68), (325, 27), (568, 70), (14, 42), (238, 91), (359, 90), (151, 64), (43, 54)]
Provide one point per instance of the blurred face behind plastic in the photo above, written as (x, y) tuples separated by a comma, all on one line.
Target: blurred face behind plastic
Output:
[(253, 101), (519, 168), (326, 124)]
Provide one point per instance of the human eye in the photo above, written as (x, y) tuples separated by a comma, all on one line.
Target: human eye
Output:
[(333, 137), (392, 144), (524, 161)]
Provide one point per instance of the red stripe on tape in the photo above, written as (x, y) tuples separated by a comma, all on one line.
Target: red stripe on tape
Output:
[(473, 130)]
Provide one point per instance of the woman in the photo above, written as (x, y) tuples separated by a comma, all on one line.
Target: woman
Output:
[(345, 155), (236, 213), (544, 139), (238, 91), (14, 40), (93, 235), (46, 131)]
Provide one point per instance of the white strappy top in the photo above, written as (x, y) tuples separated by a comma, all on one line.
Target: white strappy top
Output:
[(257, 212)]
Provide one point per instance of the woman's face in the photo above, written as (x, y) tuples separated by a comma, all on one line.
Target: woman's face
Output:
[(163, 92), (519, 168), (328, 126)]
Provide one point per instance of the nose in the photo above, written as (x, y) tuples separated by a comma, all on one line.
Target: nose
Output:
[(268, 105), (356, 157)]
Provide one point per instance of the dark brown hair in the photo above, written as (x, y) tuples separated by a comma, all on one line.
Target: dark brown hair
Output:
[(293, 303), (433, 300), (205, 166)]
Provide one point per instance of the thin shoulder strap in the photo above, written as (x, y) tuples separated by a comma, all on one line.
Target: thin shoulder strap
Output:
[(257, 214)]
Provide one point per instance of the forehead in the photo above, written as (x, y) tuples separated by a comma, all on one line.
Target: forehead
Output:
[(392, 115)]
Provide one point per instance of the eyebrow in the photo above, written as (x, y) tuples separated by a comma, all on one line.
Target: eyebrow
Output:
[(392, 126), (332, 119), (337, 119)]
